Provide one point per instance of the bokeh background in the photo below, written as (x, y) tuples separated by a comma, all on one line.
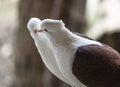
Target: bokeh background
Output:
[(20, 63)]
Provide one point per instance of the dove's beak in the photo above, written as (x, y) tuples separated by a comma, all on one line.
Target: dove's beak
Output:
[(38, 31)]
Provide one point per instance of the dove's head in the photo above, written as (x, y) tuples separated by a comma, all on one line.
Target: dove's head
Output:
[(34, 25), (54, 29), (51, 26)]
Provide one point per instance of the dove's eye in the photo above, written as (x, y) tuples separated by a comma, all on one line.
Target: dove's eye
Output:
[(46, 30)]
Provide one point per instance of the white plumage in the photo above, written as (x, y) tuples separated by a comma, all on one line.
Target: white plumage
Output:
[(44, 48)]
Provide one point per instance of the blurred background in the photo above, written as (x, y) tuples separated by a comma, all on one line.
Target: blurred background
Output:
[(20, 63)]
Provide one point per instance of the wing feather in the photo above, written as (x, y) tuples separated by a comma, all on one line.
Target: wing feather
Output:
[(97, 66)]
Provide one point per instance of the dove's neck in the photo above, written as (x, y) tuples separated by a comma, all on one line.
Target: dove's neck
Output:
[(62, 37)]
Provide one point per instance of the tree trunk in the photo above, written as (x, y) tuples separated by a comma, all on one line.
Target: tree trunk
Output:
[(29, 68)]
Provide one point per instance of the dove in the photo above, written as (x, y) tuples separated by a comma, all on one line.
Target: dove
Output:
[(82, 61), (44, 48)]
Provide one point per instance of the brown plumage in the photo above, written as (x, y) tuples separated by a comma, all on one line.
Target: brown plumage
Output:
[(97, 66)]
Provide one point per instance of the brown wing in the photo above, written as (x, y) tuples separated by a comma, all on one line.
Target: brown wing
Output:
[(97, 66)]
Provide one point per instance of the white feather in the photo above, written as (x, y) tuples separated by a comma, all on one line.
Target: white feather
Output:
[(44, 48)]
